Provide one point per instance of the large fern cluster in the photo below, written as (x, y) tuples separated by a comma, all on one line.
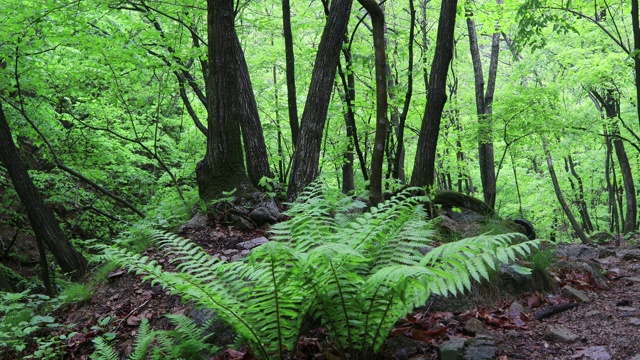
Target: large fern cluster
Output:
[(357, 272)]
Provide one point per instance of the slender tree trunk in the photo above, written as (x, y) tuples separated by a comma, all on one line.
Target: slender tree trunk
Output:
[(609, 101), (635, 25), (43, 222), (307, 154), (382, 123), (484, 103), (563, 203), (398, 165), (223, 169), (291, 73), (424, 166), (582, 204)]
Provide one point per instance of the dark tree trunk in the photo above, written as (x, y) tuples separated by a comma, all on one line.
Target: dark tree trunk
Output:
[(484, 107), (609, 101), (222, 169), (43, 222), (307, 154), (424, 166), (398, 164), (291, 73), (382, 123), (252, 134), (635, 24), (582, 204), (563, 203)]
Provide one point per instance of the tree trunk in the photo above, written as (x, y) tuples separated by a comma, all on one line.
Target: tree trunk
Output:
[(484, 107), (582, 204), (43, 222), (307, 154), (635, 25), (563, 203), (222, 169), (291, 73), (252, 135), (424, 166), (609, 101), (382, 123), (398, 165)]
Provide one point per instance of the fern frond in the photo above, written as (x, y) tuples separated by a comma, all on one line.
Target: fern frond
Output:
[(142, 341), (103, 351)]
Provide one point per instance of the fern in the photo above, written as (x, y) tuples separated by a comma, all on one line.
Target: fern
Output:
[(357, 273)]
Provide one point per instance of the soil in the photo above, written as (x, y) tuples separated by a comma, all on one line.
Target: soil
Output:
[(606, 326)]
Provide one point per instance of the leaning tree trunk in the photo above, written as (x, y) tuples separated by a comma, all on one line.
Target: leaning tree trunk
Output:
[(222, 169), (563, 203), (424, 165), (252, 134), (377, 156), (291, 71), (43, 222), (307, 153)]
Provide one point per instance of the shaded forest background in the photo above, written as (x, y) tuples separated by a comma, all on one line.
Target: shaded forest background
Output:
[(124, 110)]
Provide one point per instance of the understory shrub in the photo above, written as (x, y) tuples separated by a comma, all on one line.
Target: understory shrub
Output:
[(356, 272)]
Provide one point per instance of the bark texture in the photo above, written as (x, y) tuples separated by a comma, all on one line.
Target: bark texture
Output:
[(43, 222), (307, 154), (222, 169), (424, 165), (484, 111), (377, 156), (291, 72)]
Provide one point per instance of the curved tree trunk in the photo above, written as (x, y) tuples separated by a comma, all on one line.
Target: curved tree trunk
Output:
[(43, 222), (424, 165), (291, 73), (307, 154), (222, 169)]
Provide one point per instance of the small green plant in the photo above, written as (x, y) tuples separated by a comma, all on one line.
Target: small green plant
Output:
[(77, 292), (543, 258), (22, 325), (186, 341), (358, 274)]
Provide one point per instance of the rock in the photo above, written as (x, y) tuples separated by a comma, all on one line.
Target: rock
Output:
[(480, 348), (403, 348), (516, 308), (596, 353), (597, 314), (560, 334), (250, 244), (452, 349), (264, 214), (586, 266), (199, 221), (583, 251), (634, 321), (602, 237), (529, 230), (451, 199), (241, 223), (476, 328), (574, 294), (628, 254)]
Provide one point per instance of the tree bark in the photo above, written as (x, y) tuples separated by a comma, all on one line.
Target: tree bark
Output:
[(484, 107), (290, 68), (43, 222), (222, 169), (563, 203), (255, 148), (382, 123), (611, 104), (635, 25), (307, 154), (424, 165)]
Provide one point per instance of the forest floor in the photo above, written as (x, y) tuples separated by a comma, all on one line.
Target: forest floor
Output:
[(605, 326)]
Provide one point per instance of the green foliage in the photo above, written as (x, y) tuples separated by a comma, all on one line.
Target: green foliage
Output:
[(24, 323), (187, 341), (77, 292), (358, 272)]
